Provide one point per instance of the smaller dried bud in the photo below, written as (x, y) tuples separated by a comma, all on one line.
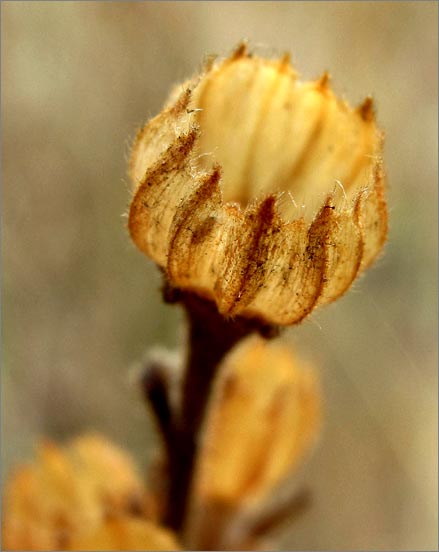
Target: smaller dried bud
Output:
[(126, 534), (259, 192), (79, 498), (262, 418)]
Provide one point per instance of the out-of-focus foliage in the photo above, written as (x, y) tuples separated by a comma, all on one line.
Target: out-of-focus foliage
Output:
[(80, 305)]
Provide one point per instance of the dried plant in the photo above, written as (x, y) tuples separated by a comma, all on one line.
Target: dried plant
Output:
[(88, 496), (260, 193), (260, 197)]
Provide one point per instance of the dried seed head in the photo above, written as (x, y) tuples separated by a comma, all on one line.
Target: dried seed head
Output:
[(81, 497), (262, 418), (260, 192), (263, 415), (126, 534)]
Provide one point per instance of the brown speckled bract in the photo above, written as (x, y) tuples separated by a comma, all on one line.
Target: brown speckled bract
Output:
[(259, 192)]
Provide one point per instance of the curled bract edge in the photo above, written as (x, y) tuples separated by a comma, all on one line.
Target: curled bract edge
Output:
[(259, 192)]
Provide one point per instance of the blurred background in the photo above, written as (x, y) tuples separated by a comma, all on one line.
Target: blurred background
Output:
[(81, 305)]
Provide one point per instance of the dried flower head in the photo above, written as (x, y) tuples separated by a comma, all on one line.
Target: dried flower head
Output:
[(87, 496), (262, 418), (263, 414), (259, 192)]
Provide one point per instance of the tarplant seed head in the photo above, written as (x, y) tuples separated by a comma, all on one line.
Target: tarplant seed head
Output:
[(87, 495), (258, 191), (262, 420)]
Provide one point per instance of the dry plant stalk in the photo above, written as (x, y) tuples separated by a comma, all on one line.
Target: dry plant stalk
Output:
[(260, 197)]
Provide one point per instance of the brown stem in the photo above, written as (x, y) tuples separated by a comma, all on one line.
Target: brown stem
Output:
[(211, 336), (155, 388)]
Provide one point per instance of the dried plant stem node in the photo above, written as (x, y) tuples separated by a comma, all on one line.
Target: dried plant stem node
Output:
[(258, 191)]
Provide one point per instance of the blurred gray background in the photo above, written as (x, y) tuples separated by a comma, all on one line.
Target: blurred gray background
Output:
[(81, 305)]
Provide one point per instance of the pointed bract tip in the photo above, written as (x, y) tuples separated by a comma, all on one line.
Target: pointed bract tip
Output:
[(285, 61), (323, 82), (240, 51), (209, 62), (215, 176), (327, 209), (183, 101), (267, 209), (366, 109)]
